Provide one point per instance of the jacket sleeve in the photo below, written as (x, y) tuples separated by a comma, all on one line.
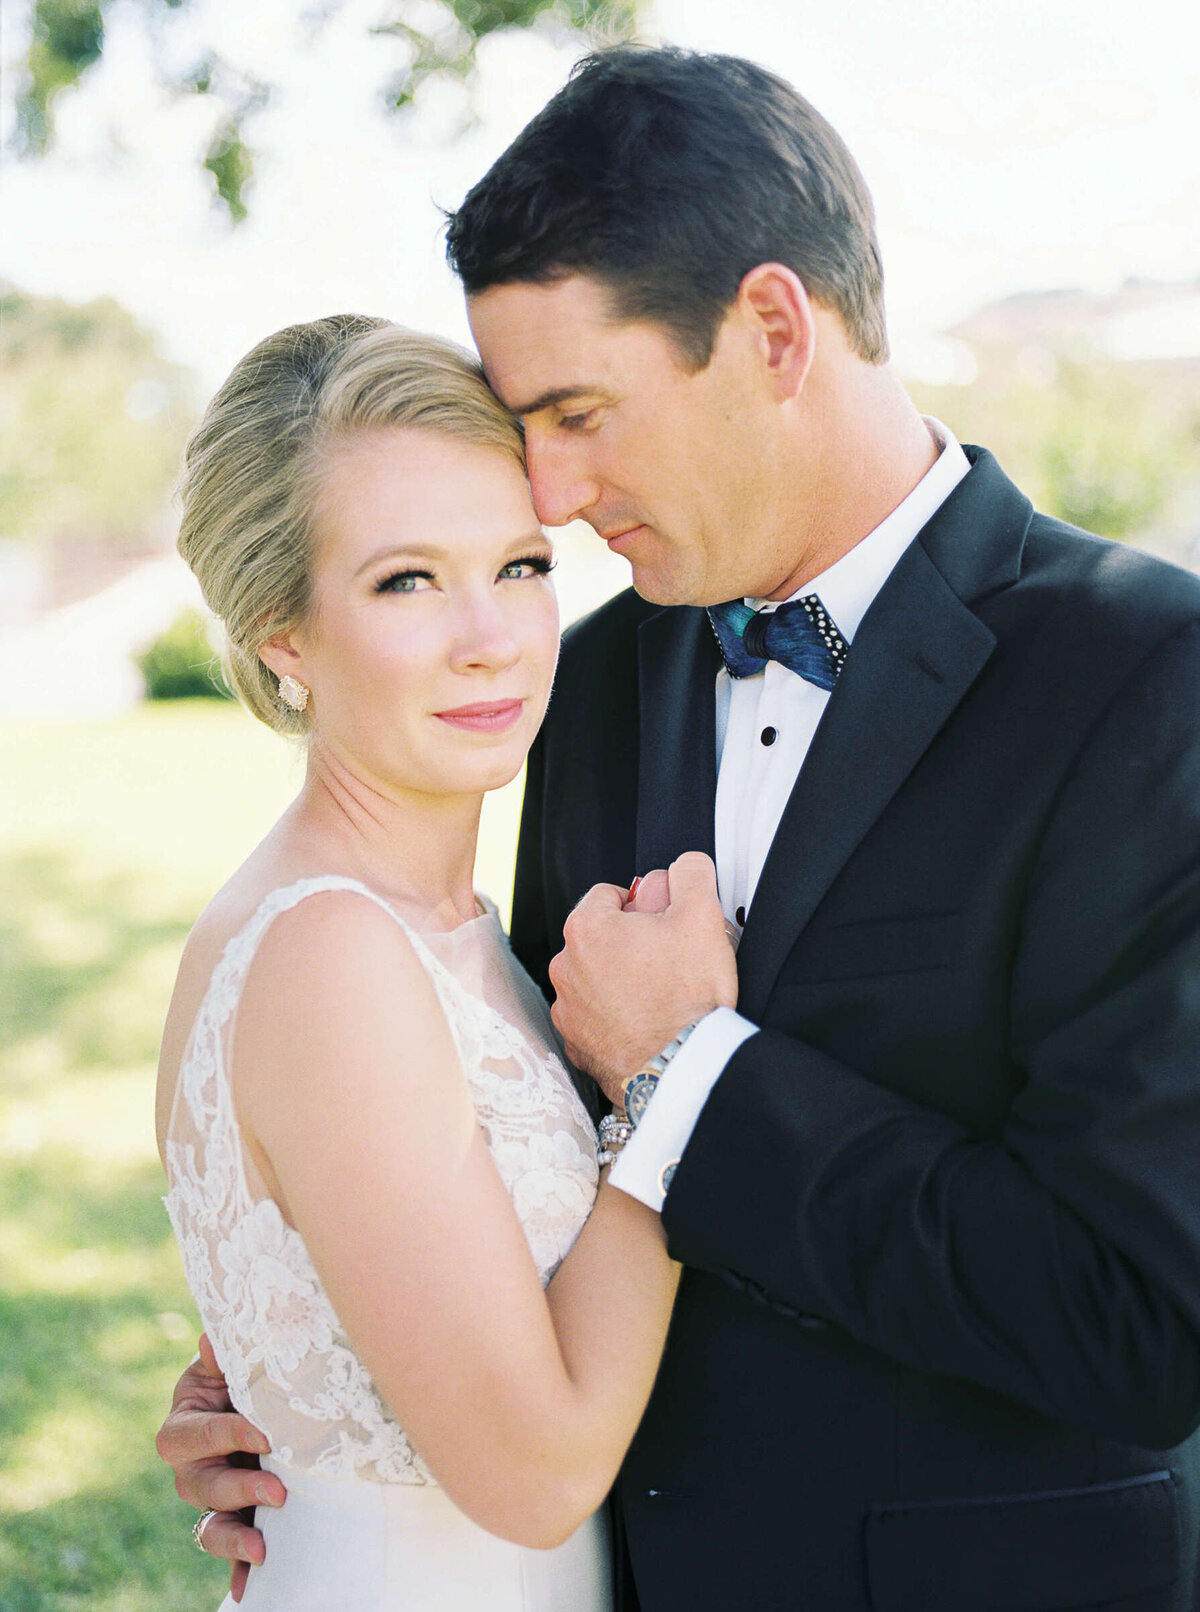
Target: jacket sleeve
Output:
[(1060, 1263)]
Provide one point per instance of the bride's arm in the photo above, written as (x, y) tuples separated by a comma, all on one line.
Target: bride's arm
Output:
[(351, 1096)]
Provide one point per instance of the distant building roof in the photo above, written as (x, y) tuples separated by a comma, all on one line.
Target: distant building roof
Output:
[(1146, 321)]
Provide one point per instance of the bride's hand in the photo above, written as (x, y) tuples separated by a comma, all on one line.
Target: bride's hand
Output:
[(650, 893)]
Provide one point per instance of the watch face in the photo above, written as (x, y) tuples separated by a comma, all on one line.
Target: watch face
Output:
[(638, 1094)]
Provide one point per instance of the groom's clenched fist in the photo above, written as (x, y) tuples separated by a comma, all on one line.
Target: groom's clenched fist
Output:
[(627, 980)]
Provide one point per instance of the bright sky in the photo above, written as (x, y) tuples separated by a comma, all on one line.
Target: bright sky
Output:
[(1010, 144)]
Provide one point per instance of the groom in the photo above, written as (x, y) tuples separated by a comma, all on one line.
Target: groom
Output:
[(936, 1182)]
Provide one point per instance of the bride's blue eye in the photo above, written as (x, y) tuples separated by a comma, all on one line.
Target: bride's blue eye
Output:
[(402, 581), (532, 565)]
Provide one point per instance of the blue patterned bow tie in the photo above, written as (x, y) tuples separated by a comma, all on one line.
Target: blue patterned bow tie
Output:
[(799, 635)]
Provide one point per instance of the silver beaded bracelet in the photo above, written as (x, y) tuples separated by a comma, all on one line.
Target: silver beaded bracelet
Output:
[(614, 1133)]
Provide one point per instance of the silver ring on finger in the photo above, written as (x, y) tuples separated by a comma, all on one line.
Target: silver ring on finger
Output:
[(198, 1527)]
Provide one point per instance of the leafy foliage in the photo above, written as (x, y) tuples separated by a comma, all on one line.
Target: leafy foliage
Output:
[(67, 39), (181, 664), (440, 40), (449, 49), (92, 419), (1106, 446), (231, 163)]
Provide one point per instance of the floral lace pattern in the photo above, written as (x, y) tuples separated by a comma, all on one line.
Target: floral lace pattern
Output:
[(286, 1357)]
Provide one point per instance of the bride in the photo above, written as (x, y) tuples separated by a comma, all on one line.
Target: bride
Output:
[(383, 1183)]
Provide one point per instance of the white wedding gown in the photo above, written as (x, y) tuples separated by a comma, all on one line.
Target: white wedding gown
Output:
[(365, 1527)]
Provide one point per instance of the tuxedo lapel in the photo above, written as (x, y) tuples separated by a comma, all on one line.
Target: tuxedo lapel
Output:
[(678, 661), (915, 655)]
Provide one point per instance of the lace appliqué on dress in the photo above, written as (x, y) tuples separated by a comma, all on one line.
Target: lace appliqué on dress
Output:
[(286, 1357)]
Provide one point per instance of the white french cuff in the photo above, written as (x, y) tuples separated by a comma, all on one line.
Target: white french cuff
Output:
[(671, 1115)]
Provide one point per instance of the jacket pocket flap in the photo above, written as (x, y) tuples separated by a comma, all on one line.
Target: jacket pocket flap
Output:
[(1024, 1553)]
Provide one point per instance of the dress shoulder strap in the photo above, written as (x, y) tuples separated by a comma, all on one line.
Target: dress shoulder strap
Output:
[(230, 972)]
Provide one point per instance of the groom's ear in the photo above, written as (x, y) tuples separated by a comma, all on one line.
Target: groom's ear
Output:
[(773, 300)]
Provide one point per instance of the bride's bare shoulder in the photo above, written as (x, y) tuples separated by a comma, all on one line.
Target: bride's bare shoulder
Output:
[(337, 986), (330, 950)]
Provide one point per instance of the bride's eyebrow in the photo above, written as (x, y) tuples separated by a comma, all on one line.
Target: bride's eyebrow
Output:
[(404, 552), (424, 553), (528, 538)]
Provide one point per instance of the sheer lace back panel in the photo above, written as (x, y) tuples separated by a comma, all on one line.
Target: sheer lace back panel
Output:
[(289, 1364)]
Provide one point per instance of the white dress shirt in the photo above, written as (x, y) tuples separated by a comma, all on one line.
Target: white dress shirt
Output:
[(764, 726)]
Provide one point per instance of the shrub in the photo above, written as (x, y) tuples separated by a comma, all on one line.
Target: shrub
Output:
[(182, 664)]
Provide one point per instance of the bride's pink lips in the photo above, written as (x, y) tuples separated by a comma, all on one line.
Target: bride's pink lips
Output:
[(485, 716)]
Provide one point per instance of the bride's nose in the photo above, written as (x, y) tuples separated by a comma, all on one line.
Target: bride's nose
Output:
[(484, 635)]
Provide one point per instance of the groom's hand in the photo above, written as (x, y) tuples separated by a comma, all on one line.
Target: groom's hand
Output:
[(214, 1454), (628, 980)]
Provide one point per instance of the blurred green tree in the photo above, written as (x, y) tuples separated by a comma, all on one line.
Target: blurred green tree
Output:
[(92, 419), (182, 663), (440, 40), (1104, 445)]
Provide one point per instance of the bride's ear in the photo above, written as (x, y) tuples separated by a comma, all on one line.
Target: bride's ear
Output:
[(281, 656)]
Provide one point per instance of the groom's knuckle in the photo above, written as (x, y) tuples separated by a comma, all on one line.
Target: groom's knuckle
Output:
[(232, 1488), (693, 865), (164, 1443), (219, 1539), (215, 1436)]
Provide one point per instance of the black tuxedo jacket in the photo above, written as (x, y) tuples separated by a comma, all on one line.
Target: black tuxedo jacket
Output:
[(937, 1345)]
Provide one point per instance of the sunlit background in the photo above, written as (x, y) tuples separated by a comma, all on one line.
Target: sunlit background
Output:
[(1036, 168)]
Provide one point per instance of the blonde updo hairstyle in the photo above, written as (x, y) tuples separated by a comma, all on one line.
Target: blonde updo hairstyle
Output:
[(252, 468)]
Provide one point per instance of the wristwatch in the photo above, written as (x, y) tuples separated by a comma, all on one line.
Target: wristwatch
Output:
[(640, 1088)]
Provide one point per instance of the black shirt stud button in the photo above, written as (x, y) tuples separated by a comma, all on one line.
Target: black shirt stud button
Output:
[(769, 735), (740, 915)]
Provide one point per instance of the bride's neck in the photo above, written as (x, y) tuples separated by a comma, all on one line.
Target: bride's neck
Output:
[(416, 849)]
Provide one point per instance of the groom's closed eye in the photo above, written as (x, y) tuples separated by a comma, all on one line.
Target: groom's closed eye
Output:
[(578, 422)]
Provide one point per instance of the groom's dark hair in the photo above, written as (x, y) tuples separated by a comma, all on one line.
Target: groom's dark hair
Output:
[(667, 175)]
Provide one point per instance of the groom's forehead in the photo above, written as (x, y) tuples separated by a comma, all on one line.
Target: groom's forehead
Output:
[(559, 306), (542, 344)]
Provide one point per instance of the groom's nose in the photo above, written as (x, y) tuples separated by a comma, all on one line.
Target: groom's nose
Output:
[(563, 489)]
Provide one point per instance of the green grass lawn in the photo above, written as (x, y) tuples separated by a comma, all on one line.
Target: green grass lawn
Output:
[(112, 837)]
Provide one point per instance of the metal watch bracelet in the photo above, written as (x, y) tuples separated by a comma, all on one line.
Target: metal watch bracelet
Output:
[(640, 1088)]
